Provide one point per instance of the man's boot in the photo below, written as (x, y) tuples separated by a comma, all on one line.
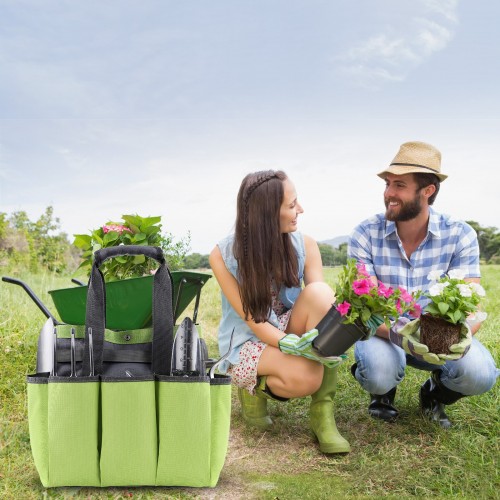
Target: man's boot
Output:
[(321, 416), (381, 406), (433, 396), (254, 408)]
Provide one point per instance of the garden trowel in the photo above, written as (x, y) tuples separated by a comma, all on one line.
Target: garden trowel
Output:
[(186, 352)]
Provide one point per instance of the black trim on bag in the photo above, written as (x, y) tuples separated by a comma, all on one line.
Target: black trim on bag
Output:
[(124, 378)]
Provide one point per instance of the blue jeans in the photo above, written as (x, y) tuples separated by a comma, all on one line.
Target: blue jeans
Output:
[(381, 366)]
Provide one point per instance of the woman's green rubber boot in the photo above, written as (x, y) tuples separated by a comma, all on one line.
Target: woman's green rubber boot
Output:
[(321, 416), (254, 408)]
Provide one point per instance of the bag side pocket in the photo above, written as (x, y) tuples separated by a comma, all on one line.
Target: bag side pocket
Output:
[(220, 399), (38, 423)]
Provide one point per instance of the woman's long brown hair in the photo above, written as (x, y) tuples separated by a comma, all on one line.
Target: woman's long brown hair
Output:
[(263, 252)]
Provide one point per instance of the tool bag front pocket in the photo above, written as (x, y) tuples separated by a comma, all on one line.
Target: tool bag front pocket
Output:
[(129, 437)]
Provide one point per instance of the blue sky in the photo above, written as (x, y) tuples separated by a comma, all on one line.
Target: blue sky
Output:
[(162, 107)]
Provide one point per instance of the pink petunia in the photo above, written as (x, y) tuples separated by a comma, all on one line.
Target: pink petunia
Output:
[(384, 291), (343, 308), (398, 306), (361, 287), (362, 270), (115, 227), (416, 312), (405, 295)]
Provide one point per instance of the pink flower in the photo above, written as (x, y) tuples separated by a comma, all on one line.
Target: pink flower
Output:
[(115, 227), (362, 287), (343, 308), (398, 306), (416, 312), (362, 270), (384, 291), (405, 295)]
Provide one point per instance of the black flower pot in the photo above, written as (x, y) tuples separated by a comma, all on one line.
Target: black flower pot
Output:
[(334, 337)]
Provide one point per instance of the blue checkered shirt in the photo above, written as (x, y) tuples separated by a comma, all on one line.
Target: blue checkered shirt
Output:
[(449, 244)]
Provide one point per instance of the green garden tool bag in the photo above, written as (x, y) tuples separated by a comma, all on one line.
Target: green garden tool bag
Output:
[(113, 422)]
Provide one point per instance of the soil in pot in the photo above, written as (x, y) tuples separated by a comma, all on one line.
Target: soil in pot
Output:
[(438, 334)]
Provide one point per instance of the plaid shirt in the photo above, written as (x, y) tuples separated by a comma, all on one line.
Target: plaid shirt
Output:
[(449, 244)]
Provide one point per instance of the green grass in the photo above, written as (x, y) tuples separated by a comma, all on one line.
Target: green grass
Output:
[(411, 458)]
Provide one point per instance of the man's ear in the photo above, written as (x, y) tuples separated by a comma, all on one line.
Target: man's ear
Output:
[(429, 190)]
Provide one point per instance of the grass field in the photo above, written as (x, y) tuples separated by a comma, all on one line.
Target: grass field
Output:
[(410, 458)]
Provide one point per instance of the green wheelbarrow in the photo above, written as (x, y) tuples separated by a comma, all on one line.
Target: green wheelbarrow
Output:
[(129, 301)]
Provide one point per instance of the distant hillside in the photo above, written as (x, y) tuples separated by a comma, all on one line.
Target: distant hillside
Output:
[(335, 242)]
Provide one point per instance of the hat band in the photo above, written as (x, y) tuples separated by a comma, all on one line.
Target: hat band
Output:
[(415, 165)]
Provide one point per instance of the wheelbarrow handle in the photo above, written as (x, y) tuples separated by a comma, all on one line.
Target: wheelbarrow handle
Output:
[(33, 297)]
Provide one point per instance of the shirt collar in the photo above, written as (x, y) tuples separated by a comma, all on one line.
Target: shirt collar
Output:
[(433, 226)]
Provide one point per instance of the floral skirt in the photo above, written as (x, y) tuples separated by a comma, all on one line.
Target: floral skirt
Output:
[(244, 374)]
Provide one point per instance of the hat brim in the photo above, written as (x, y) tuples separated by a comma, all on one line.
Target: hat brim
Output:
[(404, 169)]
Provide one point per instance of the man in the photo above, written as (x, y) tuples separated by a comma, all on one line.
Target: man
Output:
[(400, 248)]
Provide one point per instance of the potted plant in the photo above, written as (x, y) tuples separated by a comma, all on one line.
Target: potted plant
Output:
[(452, 301), (360, 308), (129, 279)]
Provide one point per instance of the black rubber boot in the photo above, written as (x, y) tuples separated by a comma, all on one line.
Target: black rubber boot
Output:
[(381, 406), (434, 396)]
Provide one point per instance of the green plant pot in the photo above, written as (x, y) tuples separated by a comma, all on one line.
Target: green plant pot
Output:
[(334, 337), (128, 302)]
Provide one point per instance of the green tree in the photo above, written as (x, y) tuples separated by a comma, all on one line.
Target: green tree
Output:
[(327, 254), (489, 241), (196, 261)]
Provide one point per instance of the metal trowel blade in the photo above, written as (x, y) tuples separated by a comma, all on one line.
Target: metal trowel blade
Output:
[(45, 351)]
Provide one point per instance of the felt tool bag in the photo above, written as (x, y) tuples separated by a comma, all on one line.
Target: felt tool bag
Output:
[(113, 422)]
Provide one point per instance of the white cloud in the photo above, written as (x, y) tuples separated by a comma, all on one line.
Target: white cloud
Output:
[(390, 56)]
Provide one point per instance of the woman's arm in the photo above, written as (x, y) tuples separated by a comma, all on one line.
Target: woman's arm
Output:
[(266, 332), (313, 266)]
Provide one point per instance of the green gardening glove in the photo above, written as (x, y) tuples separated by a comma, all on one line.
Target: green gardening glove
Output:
[(459, 350), (302, 346), (406, 334), (372, 325)]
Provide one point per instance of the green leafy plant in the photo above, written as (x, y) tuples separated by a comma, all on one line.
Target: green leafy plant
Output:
[(359, 300), (133, 230), (452, 298)]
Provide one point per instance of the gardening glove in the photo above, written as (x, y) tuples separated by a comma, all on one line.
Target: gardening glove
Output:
[(459, 350), (302, 346), (406, 334), (372, 326)]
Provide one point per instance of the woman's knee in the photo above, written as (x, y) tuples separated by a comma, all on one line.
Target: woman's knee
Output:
[(318, 291), (303, 380)]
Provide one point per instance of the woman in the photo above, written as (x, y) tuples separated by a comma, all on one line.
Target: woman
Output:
[(260, 270)]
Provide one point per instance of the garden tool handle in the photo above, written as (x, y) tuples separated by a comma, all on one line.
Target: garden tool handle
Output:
[(163, 318), (31, 293), (103, 254)]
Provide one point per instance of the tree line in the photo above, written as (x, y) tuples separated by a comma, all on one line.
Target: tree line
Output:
[(40, 244)]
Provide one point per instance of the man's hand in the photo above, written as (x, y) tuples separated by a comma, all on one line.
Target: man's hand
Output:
[(302, 346), (406, 334)]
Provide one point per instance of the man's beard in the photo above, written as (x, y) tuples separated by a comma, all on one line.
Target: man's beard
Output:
[(407, 210)]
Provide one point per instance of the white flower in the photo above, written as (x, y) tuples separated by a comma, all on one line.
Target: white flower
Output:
[(437, 289), (481, 315), (477, 288), (465, 290), (7, 349), (456, 274), (435, 275), (477, 317)]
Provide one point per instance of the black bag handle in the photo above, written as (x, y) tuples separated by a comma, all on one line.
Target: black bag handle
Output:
[(163, 317)]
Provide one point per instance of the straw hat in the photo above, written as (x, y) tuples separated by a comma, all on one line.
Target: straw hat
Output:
[(416, 157)]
